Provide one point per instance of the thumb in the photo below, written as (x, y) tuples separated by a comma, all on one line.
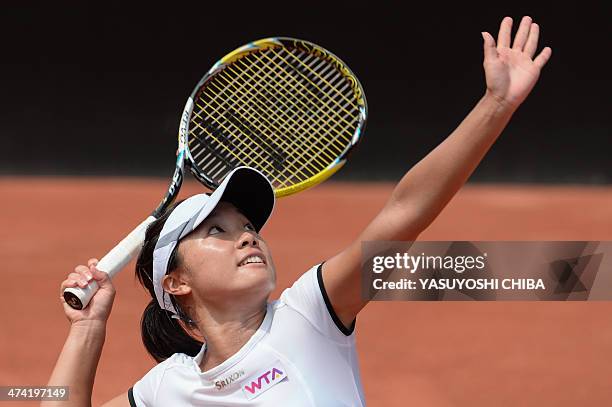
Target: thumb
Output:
[(490, 50), (102, 278)]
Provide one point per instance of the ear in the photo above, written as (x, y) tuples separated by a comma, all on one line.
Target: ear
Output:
[(175, 285)]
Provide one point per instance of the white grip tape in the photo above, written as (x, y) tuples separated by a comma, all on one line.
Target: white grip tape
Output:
[(115, 260)]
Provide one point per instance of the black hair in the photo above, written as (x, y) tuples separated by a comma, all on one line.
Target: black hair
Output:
[(161, 334)]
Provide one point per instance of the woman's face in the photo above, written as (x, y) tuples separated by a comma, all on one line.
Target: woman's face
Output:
[(225, 259)]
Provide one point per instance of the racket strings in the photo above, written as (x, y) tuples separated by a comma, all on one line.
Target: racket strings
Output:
[(228, 125), (222, 136), (256, 153), (317, 80), (244, 113), (325, 148), (297, 122), (348, 97), (286, 112), (338, 128), (227, 98), (299, 87), (274, 120), (269, 77), (303, 88), (269, 102), (269, 119), (349, 120)]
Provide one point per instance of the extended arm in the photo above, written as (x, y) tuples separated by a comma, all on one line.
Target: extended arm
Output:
[(77, 363), (511, 73)]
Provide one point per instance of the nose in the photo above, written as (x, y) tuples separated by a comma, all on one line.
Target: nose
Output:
[(248, 239)]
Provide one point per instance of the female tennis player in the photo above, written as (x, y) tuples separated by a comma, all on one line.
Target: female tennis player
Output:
[(210, 324)]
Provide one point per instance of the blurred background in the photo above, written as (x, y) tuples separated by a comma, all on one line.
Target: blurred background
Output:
[(85, 81), (90, 98)]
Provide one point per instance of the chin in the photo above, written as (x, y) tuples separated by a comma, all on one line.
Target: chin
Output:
[(256, 278)]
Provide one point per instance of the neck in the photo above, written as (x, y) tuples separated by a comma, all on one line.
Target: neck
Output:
[(226, 332)]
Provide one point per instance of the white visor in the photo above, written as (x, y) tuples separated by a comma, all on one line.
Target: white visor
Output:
[(246, 188)]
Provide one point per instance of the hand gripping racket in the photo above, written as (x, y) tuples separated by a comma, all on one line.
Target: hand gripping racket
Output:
[(284, 106)]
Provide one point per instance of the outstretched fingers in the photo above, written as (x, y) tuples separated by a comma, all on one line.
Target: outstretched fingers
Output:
[(490, 51), (505, 31), (525, 40), (520, 39), (543, 58), (532, 41)]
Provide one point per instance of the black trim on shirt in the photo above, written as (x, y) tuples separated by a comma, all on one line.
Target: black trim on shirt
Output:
[(131, 397), (346, 331)]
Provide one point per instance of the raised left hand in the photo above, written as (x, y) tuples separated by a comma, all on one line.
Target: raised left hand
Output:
[(511, 72)]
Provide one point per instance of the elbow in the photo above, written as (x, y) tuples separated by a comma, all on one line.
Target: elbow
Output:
[(413, 214), (399, 222)]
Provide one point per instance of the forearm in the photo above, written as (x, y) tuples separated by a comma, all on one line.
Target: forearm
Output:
[(426, 189), (77, 363)]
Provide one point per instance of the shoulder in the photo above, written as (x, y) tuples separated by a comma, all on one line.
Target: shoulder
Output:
[(144, 392), (308, 297), (305, 286), (176, 360)]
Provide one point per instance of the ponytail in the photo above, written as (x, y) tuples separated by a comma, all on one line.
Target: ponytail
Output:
[(162, 335)]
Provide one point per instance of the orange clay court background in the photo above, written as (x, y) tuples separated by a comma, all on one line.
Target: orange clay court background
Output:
[(411, 353)]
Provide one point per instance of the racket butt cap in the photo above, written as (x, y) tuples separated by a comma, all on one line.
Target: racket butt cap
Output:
[(73, 300)]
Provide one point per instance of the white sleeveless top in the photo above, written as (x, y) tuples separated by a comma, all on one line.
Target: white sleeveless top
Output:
[(301, 355)]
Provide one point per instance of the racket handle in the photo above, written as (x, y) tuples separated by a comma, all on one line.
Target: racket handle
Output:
[(112, 263)]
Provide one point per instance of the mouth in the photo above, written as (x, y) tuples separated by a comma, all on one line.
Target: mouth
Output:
[(253, 258)]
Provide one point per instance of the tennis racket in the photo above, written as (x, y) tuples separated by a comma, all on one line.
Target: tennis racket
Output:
[(284, 106)]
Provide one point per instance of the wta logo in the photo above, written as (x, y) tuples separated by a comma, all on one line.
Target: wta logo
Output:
[(264, 381)]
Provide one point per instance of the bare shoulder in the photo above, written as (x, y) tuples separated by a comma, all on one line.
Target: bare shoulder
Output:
[(119, 401)]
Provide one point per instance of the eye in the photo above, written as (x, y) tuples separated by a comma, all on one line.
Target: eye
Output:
[(215, 229), (249, 226)]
